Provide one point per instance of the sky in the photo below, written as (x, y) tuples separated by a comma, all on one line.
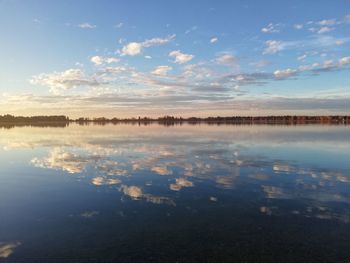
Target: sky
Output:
[(182, 58)]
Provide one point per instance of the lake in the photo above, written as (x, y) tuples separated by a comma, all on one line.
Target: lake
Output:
[(182, 193)]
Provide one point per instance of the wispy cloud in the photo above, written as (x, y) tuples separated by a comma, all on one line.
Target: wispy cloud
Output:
[(285, 73), (274, 46), (325, 29), (193, 28), (327, 22), (226, 59), (119, 25), (298, 26), (87, 25), (135, 48), (214, 40), (271, 28)]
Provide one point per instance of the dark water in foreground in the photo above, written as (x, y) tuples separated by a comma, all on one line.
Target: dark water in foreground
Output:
[(175, 194)]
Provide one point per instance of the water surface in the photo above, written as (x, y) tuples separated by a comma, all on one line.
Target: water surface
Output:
[(189, 193)]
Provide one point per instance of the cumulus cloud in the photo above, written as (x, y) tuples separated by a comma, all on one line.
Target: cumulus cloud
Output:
[(180, 58), (214, 40), (87, 25), (98, 60), (135, 48), (132, 49), (65, 80), (161, 70)]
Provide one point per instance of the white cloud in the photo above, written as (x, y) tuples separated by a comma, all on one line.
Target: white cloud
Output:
[(115, 70), (98, 60), (119, 25), (87, 26), (65, 80), (325, 29), (327, 22), (302, 57), (111, 60), (347, 19), (226, 59), (214, 40), (261, 63), (270, 28), (339, 42), (328, 65), (194, 28), (344, 61), (273, 46), (308, 67), (161, 70), (158, 41), (285, 73), (132, 49), (148, 57), (180, 58), (135, 48), (298, 26)]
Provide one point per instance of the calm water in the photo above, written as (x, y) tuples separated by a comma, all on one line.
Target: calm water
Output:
[(185, 193)]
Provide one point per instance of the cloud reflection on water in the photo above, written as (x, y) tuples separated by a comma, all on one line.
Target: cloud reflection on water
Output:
[(228, 158)]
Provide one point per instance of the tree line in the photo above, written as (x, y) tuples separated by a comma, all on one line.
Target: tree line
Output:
[(285, 119), (169, 120), (32, 119)]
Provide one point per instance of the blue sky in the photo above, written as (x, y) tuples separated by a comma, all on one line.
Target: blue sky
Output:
[(202, 58)]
